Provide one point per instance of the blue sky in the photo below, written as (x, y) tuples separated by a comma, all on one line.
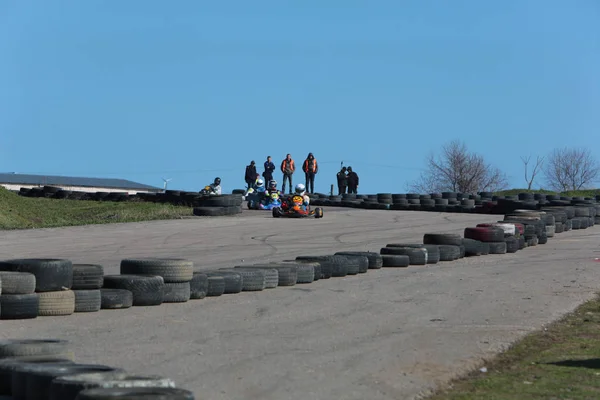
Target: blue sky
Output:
[(190, 90)]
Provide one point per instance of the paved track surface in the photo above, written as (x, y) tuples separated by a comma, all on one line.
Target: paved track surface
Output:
[(387, 334)]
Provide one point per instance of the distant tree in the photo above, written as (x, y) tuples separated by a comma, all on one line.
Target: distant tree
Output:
[(539, 162), (571, 169), (458, 170)]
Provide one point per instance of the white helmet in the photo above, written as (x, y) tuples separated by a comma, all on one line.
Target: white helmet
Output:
[(300, 189), (259, 182)]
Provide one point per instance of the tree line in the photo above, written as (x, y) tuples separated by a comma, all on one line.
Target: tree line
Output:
[(456, 169)]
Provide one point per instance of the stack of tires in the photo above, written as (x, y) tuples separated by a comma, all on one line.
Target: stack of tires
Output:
[(18, 299), (229, 204), (153, 281), (45, 369), (87, 284), (53, 281)]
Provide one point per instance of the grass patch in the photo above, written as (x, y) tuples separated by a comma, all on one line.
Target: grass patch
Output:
[(17, 212), (561, 362)]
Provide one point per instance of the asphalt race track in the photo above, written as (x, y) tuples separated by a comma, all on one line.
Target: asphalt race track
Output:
[(387, 334)]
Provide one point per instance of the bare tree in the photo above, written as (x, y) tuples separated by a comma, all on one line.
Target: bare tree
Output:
[(571, 169), (458, 170), (539, 162)]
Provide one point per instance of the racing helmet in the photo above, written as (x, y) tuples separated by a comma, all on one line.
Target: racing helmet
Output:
[(217, 181), (300, 189), (259, 182), (273, 184)]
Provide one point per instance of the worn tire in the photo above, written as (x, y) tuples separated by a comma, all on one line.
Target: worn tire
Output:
[(38, 378), (172, 270), (252, 280), (68, 387), (233, 281), (472, 247), (433, 250), (216, 285), (512, 244), (179, 292), (395, 261), (56, 303), (497, 247), (336, 264), (33, 347), (87, 276), (442, 238), (146, 290), (485, 234), (8, 365), (114, 299), (361, 260), (287, 273), (50, 274), (271, 277), (87, 300), (135, 394), (375, 260), (198, 286), (19, 306), (449, 252), (326, 269), (417, 256), (17, 282)]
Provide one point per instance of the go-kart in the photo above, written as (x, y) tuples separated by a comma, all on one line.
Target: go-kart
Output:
[(258, 201), (292, 208), (208, 191)]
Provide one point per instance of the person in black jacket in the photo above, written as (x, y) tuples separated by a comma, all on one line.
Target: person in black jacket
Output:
[(342, 181), (269, 168), (352, 181), (250, 174)]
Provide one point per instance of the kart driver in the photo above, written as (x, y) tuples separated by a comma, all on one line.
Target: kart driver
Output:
[(216, 186), (300, 190)]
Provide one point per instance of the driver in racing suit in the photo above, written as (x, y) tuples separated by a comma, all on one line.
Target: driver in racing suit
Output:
[(300, 191), (216, 186)]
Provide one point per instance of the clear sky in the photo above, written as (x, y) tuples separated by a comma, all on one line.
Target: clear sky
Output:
[(190, 90)]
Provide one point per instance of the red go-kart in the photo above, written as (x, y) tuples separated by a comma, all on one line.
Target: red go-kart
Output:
[(292, 207)]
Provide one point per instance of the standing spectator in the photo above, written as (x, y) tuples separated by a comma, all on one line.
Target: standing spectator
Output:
[(287, 167), (352, 181), (342, 180), (250, 177), (269, 168), (310, 168)]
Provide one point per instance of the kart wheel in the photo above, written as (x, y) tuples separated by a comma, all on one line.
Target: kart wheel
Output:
[(276, 212), (250, 205), (318, 212)]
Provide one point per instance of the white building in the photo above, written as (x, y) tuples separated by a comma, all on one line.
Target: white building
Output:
[(12, 181)]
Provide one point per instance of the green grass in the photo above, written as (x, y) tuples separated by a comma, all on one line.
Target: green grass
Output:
[(561, 362), (572, 193), (17, 212)]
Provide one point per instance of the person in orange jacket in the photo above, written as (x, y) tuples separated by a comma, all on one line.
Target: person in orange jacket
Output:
[(310, 168), (288, 167)]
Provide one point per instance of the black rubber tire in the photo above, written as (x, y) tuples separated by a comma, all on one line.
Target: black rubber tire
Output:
[(449, 252), (252, 280), (512, 244), (17, 282), (33, 347), (179, 292), (233, 281), (395, 261), (417, 256), (305, 272), (472, 247), (87, 300), (19, 306), (136, 394), (68, 387), (338, 264), (146, 290), (497, 247), (172, 270), (87, 276), (433, 251), (325, 268), (198, 286), (56, 303), (209, 211), (115, 299), (216, 285), (271, 277), (33, 381), (287, 274), (8, 365), (375, 260), (442, 238), (50, 274), (362, 261)]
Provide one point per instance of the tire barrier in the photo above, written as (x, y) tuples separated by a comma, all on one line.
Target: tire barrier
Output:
[(45, 369)]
